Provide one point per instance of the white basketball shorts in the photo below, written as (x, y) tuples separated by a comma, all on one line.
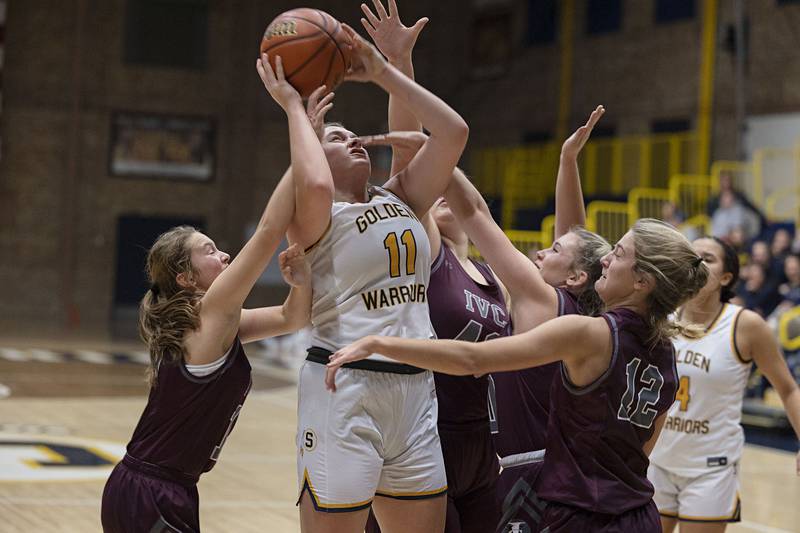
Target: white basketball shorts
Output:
[(710, 497), (375, 436)]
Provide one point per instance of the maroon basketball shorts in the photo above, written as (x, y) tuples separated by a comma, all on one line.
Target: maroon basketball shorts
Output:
[(134, 502), (560, 518)]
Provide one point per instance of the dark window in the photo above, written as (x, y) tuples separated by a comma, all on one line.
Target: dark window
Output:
[(603, 132), (670, 125), (491, 43), (789, 1), (672, 10), (536, 137), (603, 16), (168, 33), (542, 22)]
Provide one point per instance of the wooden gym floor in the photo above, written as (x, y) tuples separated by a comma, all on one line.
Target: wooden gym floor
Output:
[(69, 408)]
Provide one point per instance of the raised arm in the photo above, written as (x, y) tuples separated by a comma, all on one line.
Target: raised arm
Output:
[(221, 306), (534, 300), (573, 339), (395, 41), (294, 314), (427, 175), (757, 343), (570, 210), (313, 183)]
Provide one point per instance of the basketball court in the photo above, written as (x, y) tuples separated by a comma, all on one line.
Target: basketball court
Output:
[(71, 407)]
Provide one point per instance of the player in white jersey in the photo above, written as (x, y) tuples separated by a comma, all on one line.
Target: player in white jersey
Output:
[(694, 465), (371, 262)]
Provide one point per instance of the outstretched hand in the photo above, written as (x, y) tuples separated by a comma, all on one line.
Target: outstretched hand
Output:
[(360, 349), (316, 109), (278, 88), (366, 63), (575, 143), (294, 267), (390, 35)]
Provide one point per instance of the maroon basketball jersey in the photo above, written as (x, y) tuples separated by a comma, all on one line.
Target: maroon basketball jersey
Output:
[(188, 418), (594, 457), (464, 309), (523, 398)]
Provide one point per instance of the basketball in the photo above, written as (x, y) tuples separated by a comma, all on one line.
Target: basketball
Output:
[(312, 47)]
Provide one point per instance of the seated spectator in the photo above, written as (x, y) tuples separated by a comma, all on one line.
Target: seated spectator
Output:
[(737, 239), (760, 254), (795, 249), (731, 216), (726, 184), (755, 293), (781, 244), (790, 291)]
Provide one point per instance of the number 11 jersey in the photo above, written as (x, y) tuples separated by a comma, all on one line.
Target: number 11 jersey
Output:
[(370, 273)]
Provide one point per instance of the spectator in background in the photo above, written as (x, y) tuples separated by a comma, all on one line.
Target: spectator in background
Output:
[(773, 267), (790, 291), (755, 293), (737, 239), (726, 184), (781, 244), (731, 216), (672, 215)]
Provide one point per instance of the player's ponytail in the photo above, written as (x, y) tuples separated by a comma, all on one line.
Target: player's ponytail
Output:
[(167, 310), (590, 251), (677, 272)]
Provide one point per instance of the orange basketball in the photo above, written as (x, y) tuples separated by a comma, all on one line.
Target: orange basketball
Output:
[(312, 46)]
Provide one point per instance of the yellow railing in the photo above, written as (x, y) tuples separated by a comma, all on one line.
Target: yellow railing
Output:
[(784, 204), (779, 165), (690, 193), (525, 176), (527, 241), (741, 174), (529, 180), (609, 219), (548, 230), (645, 202)]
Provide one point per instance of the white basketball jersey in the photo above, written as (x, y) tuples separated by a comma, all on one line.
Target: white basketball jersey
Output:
[(370, 274), (702, 430)]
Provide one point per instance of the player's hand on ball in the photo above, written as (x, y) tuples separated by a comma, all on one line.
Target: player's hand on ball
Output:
[(574, 144), (410, 141), (393, 39), (366, 63), (278, 88), (317, 109), (361, 349), (294, 267)]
